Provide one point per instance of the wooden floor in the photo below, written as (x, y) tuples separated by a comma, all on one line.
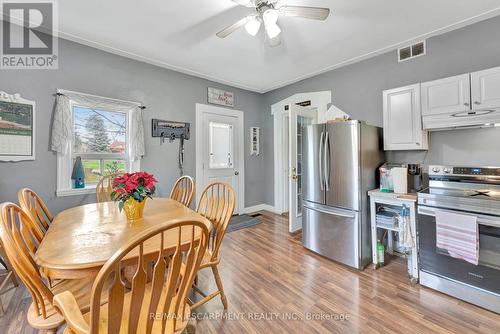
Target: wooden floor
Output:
[(274, 285)]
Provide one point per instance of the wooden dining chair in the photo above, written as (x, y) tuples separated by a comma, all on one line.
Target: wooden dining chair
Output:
[(217, 204), (183, 190), (33, 205), (104, 187), (19, 239), (6, 276), (158, 306)]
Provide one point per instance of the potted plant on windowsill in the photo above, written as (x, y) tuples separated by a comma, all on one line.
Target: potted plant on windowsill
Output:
[(131, 190)]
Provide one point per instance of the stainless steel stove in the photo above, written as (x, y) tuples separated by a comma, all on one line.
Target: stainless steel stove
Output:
[(471, 191)]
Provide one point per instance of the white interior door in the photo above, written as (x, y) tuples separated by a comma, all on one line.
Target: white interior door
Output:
[(286, 165), (299, 117), (221, 150)]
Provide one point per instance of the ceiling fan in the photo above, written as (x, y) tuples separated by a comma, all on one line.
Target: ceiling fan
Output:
[(268, 12)]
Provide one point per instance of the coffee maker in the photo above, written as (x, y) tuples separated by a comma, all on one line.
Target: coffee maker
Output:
[(414, 177)]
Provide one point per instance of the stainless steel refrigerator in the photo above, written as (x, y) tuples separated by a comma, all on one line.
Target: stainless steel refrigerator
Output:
[(340, 166)]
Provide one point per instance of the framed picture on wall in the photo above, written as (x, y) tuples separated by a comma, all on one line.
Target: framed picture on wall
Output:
[(17, 128)]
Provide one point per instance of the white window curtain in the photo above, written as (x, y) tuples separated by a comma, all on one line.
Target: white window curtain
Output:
[(62, 130)]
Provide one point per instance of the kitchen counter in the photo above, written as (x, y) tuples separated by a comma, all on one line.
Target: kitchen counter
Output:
[(411, 197)]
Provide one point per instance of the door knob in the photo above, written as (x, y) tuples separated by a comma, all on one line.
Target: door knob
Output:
[(236, 173)]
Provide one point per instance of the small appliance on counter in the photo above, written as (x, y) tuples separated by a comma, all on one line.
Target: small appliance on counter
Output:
[(400, 178), (393, 178), (415, 181)]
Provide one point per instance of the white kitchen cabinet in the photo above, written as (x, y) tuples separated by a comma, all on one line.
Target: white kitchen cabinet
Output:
[(446, 96), (485, 89), (403, 120)]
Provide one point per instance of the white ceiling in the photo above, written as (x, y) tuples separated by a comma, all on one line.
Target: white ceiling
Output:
[(181, 34)]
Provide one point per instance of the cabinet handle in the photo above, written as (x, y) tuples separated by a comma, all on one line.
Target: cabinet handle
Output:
[(466, 104), (418, 144), (477, 102)]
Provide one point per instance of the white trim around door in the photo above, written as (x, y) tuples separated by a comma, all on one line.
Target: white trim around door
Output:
[(319, 101), (202, 109)]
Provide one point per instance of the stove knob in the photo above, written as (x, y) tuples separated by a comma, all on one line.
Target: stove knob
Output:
[(447, 170), (436, 169)]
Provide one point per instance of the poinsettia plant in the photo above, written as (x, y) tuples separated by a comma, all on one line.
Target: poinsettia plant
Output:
[(138, 185)]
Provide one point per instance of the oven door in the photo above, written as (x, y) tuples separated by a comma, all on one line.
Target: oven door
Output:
[(485, 276)]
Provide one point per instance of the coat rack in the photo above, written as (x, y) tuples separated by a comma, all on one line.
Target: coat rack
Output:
[(172, 130)]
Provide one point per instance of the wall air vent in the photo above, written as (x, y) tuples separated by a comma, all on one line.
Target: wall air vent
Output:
[(411, 51)]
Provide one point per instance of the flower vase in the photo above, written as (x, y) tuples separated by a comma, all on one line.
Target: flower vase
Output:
[(134, 209)]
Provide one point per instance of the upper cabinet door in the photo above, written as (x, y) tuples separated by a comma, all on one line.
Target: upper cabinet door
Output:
[(486, 89), (446, 96), (403, 119)]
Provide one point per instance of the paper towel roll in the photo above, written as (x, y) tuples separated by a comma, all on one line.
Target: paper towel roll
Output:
[(400, 179)]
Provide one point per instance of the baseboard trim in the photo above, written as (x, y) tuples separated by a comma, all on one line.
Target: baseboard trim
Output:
[(258, 207)]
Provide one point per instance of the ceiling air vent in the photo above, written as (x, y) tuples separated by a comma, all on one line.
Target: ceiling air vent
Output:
[(411, 51)]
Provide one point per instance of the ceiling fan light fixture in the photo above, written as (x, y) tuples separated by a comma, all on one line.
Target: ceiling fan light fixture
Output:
[(253, 25), (273, 30), (270, 16)]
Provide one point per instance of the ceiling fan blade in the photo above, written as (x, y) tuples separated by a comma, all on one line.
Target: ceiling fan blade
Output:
[(313, 13), (232, 28), (246, 3)]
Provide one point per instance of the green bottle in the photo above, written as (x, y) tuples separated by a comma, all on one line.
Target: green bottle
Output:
[(380, 253)]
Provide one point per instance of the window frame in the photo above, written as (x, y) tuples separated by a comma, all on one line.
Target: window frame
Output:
[(65, 160)]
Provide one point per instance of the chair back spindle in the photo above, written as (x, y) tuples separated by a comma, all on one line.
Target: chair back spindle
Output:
[(165, 295), (183, 190), (104, 187), (217, 204), (34, 206)]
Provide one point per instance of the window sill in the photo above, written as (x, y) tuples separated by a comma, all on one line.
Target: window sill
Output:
[(75, 192)]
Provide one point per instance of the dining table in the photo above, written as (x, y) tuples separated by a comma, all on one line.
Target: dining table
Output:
[(81, 239)]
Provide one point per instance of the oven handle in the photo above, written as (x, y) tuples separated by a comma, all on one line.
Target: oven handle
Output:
[(481, 219)]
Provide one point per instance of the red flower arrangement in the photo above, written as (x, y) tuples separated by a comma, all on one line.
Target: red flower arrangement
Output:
[(138, 186)]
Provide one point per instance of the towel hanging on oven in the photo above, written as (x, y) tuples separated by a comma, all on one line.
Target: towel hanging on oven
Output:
[(458, 235)]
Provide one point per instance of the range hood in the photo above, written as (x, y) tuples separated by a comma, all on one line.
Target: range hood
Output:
[(462, 120)]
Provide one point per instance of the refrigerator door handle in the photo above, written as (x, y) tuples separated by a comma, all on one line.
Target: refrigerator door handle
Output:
[(326, 162), (320, 165), (331, 211)]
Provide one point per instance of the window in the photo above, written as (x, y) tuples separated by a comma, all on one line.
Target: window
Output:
[(100, 139), (221, 145), (100, 136)]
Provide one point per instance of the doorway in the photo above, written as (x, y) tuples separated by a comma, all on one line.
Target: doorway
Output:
[(220, 150), (298, 118), (292, 120)]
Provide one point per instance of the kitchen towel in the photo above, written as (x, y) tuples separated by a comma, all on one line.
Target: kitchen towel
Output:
[(405, 233), (459, 235)]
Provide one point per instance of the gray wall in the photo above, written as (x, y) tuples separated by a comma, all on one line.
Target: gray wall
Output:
[(357, 89), (167, 95)]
